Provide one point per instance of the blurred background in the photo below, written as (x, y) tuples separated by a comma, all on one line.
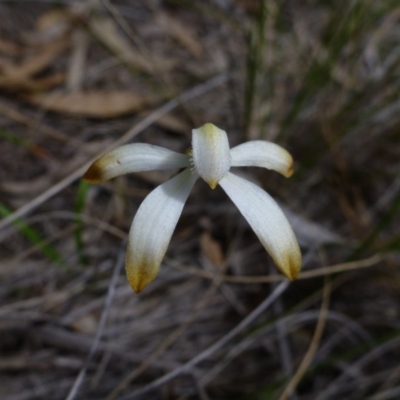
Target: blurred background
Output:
[(319, 77)]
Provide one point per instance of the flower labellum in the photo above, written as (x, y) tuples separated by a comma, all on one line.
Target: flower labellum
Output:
[(210, 159)]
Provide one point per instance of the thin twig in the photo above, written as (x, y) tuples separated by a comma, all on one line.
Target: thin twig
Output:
[(185, 368), (348, 266), (283, 342), (305, 363), (107, 305), (36, 125)]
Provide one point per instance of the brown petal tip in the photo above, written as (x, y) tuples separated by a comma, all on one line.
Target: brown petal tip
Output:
[(94, 174)]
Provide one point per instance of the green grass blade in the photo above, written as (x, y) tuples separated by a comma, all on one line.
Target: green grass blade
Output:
[(34, 237)]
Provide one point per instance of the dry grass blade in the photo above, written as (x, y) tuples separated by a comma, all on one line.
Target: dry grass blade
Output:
[(307, 359), (185, 368), (392, 393), (52, 300), (393, 377), (107, 305), (335, 386), (41, 391), (284, 344), (77, 64), (36, 125), (165, 344), (156, 65)]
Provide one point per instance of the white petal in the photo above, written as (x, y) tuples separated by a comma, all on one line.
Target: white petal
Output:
[(211, 155), (267, 221), (134, 158), (153, 226), (259, 153)]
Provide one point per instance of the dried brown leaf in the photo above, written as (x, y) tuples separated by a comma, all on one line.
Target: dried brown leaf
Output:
[(107, 32), (37, 62), (93, 104), (28, 84), (50, 26), (85, 324), (173, 124), (9, 48), (212, 249), (180, 33), (51, 18)]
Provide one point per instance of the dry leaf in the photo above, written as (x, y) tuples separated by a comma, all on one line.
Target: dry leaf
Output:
[(20, 77), (85, 324), (93, 104), (53, 17), (50, 26), (107, 32), (217, 63), (212, 249), (27, 84), (180, 33), (9, 48), (36, 63), (173, 124)]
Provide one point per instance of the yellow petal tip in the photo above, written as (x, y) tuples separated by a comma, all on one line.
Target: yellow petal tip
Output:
[(289, 263), (140, 274), (289, 171), (209, 128), (292, 268)]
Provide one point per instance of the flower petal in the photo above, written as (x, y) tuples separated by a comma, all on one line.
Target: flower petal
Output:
[(267, 221), (211, 155), (259, 153), (153, 226), (134, 158)]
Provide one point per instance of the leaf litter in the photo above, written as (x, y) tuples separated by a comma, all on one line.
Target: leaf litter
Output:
[(326, 83)]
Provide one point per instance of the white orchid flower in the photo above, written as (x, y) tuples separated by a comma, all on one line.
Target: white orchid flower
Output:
[(211, 159)]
